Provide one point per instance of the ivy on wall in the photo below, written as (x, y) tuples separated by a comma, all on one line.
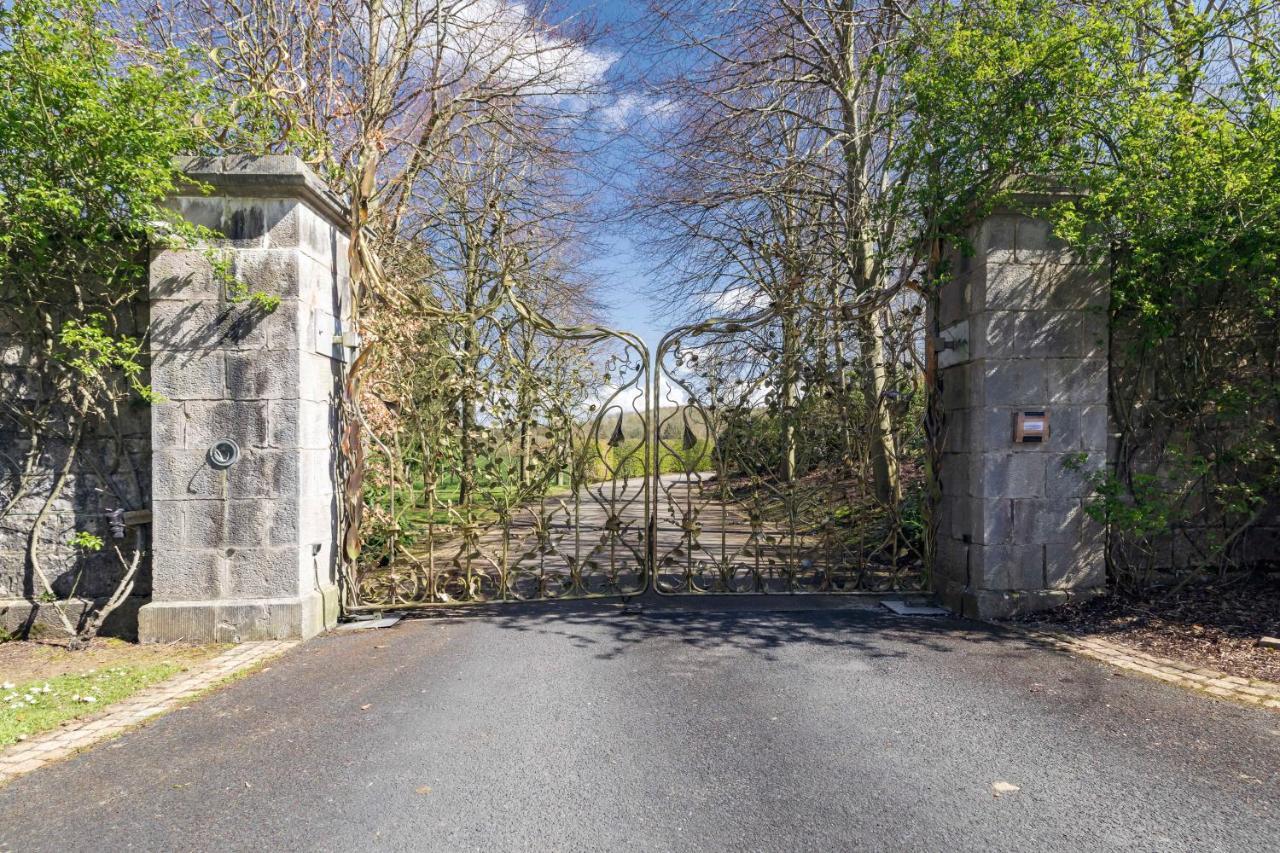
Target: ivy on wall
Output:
[(1163, 117)]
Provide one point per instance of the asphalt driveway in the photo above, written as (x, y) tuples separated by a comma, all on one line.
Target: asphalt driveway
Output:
[(720, 727)]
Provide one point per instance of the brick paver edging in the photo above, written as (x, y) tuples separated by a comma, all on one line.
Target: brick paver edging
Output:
[(1252, 692), (50, 746)]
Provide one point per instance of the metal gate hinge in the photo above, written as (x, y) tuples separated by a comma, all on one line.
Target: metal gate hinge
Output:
[(351, 340)]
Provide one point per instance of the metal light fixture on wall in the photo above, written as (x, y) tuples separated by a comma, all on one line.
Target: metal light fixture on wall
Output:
[(224, 453)]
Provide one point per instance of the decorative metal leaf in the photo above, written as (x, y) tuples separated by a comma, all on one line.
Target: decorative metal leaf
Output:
[(617, 438)]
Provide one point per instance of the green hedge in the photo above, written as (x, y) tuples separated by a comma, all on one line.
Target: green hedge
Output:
[(628, 460)]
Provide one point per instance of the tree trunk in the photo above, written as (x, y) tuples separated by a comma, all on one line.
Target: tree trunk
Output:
[(121, 593), (875, 381), (524, 407), (467, 417), (789, 392), (863, 271)]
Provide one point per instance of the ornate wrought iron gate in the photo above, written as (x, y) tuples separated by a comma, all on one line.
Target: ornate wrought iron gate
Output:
[(548, 499), (770, 444), (742, 463)]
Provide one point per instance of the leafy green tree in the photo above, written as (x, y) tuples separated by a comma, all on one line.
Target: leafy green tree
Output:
[(1162, 115), (998, 92), (1187, 201), (86, 159), (87, 143)]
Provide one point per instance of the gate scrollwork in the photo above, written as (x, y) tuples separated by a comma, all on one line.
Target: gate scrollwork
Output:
[(540, 494), (766, 481)]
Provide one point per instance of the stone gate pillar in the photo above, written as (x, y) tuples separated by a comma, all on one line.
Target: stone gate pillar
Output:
[(1022, 357), (244, 507)]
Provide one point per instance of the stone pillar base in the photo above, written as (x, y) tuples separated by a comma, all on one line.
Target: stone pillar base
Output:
[(1005, 604), (239, 621)]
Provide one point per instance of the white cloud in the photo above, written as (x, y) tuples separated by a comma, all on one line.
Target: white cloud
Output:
[(511, 48), (737, 301), (629, 108)]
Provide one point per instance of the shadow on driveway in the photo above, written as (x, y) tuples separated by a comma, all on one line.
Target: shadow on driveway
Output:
[(759, 625)]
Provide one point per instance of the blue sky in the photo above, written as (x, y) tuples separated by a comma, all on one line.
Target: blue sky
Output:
[(627, 292), (627, 281)]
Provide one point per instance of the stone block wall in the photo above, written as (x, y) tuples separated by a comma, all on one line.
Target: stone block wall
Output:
[(111, 471), (1022, 326), (247, 551), (1160, 391)]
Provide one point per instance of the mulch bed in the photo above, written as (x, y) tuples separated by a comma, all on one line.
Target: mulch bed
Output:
[(25, 660), (1216, 626)]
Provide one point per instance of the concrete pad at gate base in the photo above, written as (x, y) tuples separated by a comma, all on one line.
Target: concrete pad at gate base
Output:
[(369, 624), (908, 608)]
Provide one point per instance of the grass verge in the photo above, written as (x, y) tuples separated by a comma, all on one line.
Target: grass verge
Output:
[(80, 683), (42, 704)]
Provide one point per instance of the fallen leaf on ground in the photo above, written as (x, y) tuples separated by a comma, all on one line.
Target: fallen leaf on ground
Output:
[(999, 788), (423, 789), (366, 707)]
